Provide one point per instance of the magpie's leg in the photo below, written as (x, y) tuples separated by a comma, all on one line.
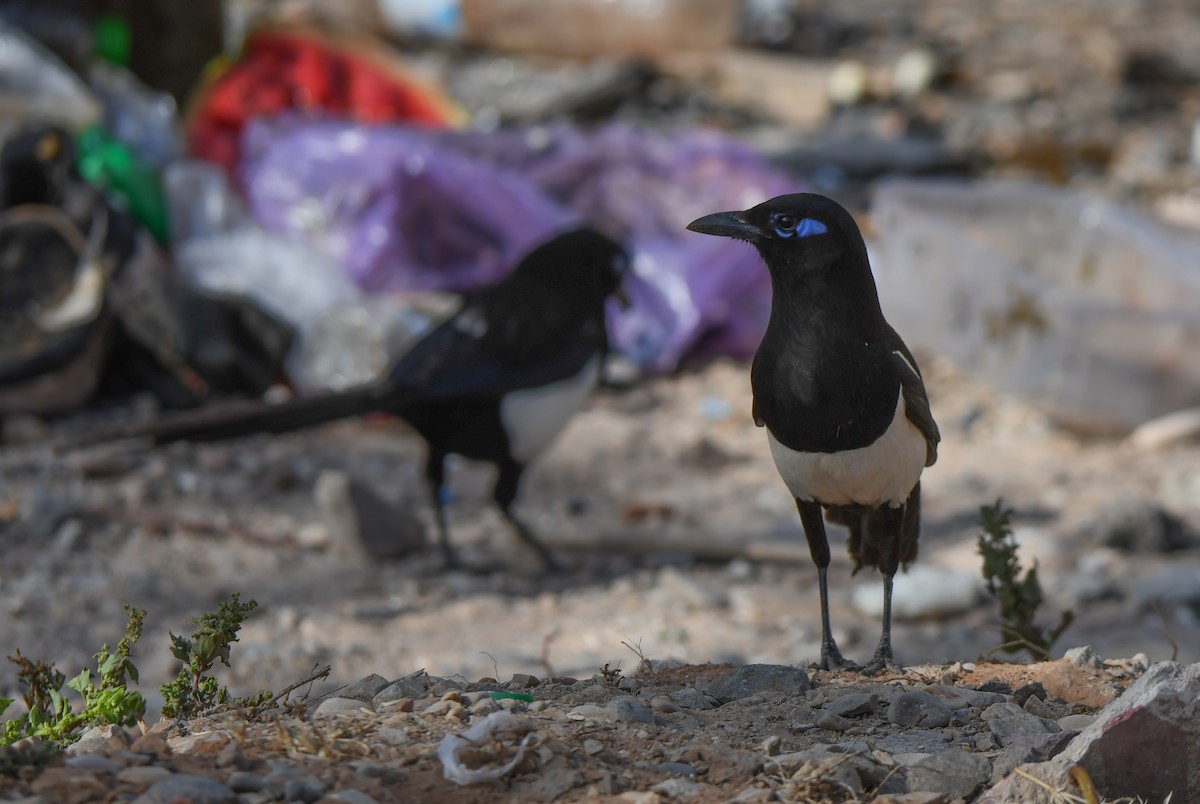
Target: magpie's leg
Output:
[(507, 481), (435, 477), (889, 562), (818, 546)]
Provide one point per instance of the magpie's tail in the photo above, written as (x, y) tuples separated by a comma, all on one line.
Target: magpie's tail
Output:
[(236, 419), (869, 531)]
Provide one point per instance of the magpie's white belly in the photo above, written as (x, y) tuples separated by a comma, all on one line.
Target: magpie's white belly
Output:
[(884, 471), (534, 416)]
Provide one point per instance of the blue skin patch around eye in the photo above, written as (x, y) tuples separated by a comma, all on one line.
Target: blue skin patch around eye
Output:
[(805, 228)]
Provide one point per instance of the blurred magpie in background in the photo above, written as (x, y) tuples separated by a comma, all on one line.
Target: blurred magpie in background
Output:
[(841, 397), (496, 382)]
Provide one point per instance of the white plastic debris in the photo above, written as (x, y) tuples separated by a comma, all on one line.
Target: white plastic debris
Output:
[(496, 735), (1083, 308)]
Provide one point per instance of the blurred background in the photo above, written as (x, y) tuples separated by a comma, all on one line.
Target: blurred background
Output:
[(252, 197)]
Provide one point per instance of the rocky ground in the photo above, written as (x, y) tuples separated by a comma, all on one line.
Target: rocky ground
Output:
[(682, 546)]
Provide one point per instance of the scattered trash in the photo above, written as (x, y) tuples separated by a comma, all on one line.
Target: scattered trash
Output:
[(1082, 308), (488, 750)]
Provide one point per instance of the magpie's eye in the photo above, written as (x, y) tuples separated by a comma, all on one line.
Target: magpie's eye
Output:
[(784, 223)]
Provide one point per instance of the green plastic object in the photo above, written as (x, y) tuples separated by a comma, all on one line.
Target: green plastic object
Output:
[(109, 163), (112, 40)]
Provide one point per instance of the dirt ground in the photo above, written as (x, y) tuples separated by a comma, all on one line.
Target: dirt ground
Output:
[(637, 478)]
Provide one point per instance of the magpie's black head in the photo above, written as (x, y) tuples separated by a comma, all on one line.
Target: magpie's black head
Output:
[(582, 264), (803, 231)]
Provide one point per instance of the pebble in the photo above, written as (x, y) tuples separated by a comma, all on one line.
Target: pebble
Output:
[(244, 782), (186, 787), (956, 773), (334, 706), (401, 689), (919, 708), (1009, 722), (854, 704), (629, 710), (756, 678), (691, 698), (143, 776), (832, 721), (1075, 722), (365, 689), (521, 681)]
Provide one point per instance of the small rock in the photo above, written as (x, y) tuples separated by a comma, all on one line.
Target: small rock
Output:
[(919, 708), (629, 710), (1009, 723), (662, 703), (143, 776), (333, 706), (854, 704), (94, 763), (1022, 693), (1076, 722), (755, 678), (681, 789), (186, 787), (682, 768), (349, 796), (552, 784), (485, 707), (832, 721), (243, 782), (301, 790), (956, 773), (100, 740), (521, 681), (592, 747), (365, 689), (916, 741), (1037, 748), (690, 698), (69, 785), (772, 745), (401, 688)]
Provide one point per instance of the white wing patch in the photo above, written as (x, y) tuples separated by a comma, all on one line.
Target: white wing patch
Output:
[(882, 472), (534, 416)]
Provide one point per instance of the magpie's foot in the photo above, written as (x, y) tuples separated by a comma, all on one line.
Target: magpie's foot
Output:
[(832, 659), (880, 662)]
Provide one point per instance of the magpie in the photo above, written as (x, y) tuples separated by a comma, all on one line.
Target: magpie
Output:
[(496, 382), (840, 395)]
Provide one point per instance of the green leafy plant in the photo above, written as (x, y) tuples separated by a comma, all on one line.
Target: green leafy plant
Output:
[(105, 696), (194, 691), (1018, 594)]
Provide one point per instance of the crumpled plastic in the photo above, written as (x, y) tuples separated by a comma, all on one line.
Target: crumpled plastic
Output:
[(405, 208), (487, 735)]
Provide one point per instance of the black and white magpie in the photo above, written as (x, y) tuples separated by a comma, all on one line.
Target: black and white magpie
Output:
[(496, 382), (840, 395)]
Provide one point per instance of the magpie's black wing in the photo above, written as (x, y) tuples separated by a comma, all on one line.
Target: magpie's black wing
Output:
[(512, 336), (916, 401)]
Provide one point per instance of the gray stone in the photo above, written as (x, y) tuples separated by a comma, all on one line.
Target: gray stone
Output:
[(663, 703), (551, 784), (1022, 693), (365, 689), (100, 740), (301, 790), (360, 520), (755, 678), (189, 788), (1083, 657), (924, 741), (960, 697), (681, 789), (1009, 723), (863, 703), (350, 796), (244, 782), (1145, 744), (919, 708), (94, 763), (333, 706), (1038, 748), (143, 775), (1075, 722), (522, 681), (955, 772), (629, 710), (691, 698), (682, 768), (832, 721), (407, 687)]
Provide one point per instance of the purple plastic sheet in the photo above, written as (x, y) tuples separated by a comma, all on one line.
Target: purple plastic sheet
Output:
[(401, 210), (414, 209)]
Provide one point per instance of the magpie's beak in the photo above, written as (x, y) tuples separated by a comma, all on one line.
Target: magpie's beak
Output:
[(727, 224)]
